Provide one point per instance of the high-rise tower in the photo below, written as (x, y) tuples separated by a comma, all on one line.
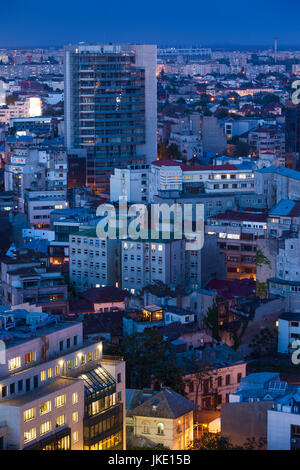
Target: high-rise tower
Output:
[(111, 106)]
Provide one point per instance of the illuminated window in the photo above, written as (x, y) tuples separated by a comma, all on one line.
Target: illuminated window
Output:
[(45, 407), (29, 414), (74, 398), (50, 373), (160, 248), (75, 436), (43, 376), (45, 427), (160, 428), (56, 370), (60, 401), (75, 417), (14, 363), (29, 357), (29, 435), (60, 420)]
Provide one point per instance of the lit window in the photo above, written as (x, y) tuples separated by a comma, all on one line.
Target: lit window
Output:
[(29, 414), (45, 407), (60, 420), (160, 428), (160, 248), (75, 436), (60, 401), (75, 417), (29, 357), (43, 376), (14, 363), (50, 373), (74, 398), (29, 435), (45, 427)]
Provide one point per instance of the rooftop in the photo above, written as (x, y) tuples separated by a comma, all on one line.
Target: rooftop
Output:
[(166, 404)]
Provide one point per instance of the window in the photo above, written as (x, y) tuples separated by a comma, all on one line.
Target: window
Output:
[(14, 363), (119, 378), (160, 428), (45, 407), (75, 417), (29, 414), (227, 379), (60, 401), (56, 370), (90, 356), (220, 381), (146, 428), (29, 357), (75, 436), (60, 420), (45, 427), (50, 373), (74, 398), (29, 435), (43, 376), (68, 343), (61, 345), (239, 376), (20, 385), (12, 388)]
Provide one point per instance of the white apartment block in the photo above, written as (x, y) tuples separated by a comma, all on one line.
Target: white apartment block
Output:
[(134, 184), (146, 261), (288, 332), (93, 262), (56, 389)]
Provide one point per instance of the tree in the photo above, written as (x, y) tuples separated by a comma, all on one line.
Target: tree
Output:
[(211, 320), (213, 442), (262, 343), (148, 357)]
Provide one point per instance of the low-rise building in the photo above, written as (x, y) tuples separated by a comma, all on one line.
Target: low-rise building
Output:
[(164, 418)]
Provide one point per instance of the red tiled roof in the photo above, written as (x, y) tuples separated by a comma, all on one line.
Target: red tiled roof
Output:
[(241, 216), (184, 167), (229, 289)]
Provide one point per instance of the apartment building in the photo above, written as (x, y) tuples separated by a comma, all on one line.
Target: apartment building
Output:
[(134, 184), (277, 183), (57, 390), (146, 261), (238, 233), (110, 106), (40, 203), (267, 139), (211, 373), (216, 179), (93, 262), (25, 277)]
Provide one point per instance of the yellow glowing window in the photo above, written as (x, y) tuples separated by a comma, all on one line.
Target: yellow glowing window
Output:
[(14, 363), (60, 401), (45, 407), (74, 398), (29, 414)]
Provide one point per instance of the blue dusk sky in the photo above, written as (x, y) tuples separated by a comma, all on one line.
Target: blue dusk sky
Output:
[(163, 22)]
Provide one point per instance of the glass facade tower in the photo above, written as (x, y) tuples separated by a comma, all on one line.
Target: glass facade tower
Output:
[(110, 107)]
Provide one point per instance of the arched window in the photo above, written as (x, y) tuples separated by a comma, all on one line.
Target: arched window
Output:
[(160, 428)]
